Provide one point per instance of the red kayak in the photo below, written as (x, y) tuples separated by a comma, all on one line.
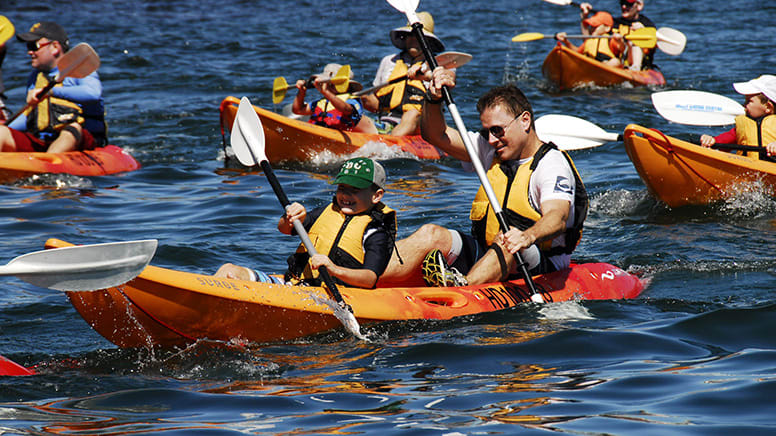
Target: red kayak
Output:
[(98, 162), (9, 367)]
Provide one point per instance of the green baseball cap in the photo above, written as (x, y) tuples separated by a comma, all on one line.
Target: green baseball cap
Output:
[(361, 172)]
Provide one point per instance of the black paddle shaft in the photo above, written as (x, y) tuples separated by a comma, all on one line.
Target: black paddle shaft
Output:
[(417, 29), (281, 195)]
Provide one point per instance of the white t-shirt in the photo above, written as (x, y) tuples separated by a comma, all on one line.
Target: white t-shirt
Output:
[(553, 179)]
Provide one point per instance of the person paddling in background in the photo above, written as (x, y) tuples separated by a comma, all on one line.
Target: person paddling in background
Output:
[(353, 235), (606, 50), (757, 127), (70, 116), (342, 112), (636, 58), (399, 105), (544, 200)]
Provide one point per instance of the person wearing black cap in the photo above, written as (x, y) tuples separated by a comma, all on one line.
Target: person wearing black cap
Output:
[(400, 104), (630, 20), (71, 116)]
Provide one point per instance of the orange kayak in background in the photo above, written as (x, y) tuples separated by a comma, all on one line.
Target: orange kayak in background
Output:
[(171, 308), (288, 139), (568, 69), (98, 162), (680, 173)]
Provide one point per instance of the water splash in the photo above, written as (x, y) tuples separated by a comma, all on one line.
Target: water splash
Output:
[(564, 310)]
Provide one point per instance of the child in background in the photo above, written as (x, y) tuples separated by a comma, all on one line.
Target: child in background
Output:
[(337, 111), (353, 235), (606, 50), (757, 127)]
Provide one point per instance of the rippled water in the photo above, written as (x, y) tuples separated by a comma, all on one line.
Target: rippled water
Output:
[(693, 355)]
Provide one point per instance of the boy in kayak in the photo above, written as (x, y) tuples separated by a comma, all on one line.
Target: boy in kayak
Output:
[(71, 116), (544, 200), (341, 112), (399, 105), (636, 58), (353, 235), (757, 127), (606, 50)]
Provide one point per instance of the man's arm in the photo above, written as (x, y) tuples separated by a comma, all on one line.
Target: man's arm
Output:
[(555, 213)]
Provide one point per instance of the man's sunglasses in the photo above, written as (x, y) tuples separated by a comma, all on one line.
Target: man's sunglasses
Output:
[(497, 131), (37, 45)]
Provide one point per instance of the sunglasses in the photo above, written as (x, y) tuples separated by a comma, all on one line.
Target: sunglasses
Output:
[(497, 131), (627, 4), (37, 45)]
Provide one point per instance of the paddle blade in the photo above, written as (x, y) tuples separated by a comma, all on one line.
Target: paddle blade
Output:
[(83, 267), (247, 137), (529, 36), (279, 88), (406, 6), (670, 41), (6, 29), (571, 133), (79, 62), (560, 2), (341, 80), (696, 108), (453, 59), (644, 37)]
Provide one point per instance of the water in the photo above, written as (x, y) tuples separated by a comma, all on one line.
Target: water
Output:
[(693, 355)]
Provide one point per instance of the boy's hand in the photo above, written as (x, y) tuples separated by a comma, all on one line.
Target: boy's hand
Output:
[(771, 149), (320, 260), (295, 211), (707, 140)]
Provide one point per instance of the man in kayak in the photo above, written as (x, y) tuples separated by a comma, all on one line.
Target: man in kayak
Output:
[(353, 235), (399, 105), (544, 200), (606, 50), (71, 116), (341, 112), (757, 127), (636, 58)]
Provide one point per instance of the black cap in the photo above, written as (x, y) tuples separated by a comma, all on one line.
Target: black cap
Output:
[(45, 29)]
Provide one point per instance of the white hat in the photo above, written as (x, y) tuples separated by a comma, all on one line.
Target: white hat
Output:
[(765, 84), (434, 43)]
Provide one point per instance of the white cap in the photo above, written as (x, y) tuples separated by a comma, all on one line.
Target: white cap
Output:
[(765, 84)]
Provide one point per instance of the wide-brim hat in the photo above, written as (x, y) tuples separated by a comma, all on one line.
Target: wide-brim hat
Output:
[(399, 35), (330, 70), (45, 29), (765, 84)]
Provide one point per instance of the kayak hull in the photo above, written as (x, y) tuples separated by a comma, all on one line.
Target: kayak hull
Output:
[(9, 367), (98, 162), (294, 140), (172, 308), (680, 173), (568, 69)]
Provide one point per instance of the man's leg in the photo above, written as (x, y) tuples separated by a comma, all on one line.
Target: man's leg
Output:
[(68, 139), (7, 142), (412, 251)]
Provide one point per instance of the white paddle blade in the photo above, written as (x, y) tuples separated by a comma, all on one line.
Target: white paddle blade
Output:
[(671, 41), (78, 62), (696, 108), (247, 136), (559, 2), (408, 8), (571, 133), (83, 267), (453, 59)]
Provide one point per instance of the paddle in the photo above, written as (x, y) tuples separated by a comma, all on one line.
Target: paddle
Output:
[(247, 141), (341, 81), (696, 108), (668, 40), (83, 267), (6, 29), (408, 8), (448, 59), (78, 63), (572, 133)]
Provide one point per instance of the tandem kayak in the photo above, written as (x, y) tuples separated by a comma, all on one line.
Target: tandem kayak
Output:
[(173, 308), (98, 162), (680, 173), (288, 139), (568, 69)]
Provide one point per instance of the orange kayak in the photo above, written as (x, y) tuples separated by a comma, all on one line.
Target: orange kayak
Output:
[(169, 308), (568, 69), (294, 140), (681, 173), (98, 162)]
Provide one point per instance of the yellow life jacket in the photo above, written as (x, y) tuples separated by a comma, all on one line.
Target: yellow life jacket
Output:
[(403, 95), (755, 132), (341, 238), (598, 48), (52, 113), (512, 187)]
